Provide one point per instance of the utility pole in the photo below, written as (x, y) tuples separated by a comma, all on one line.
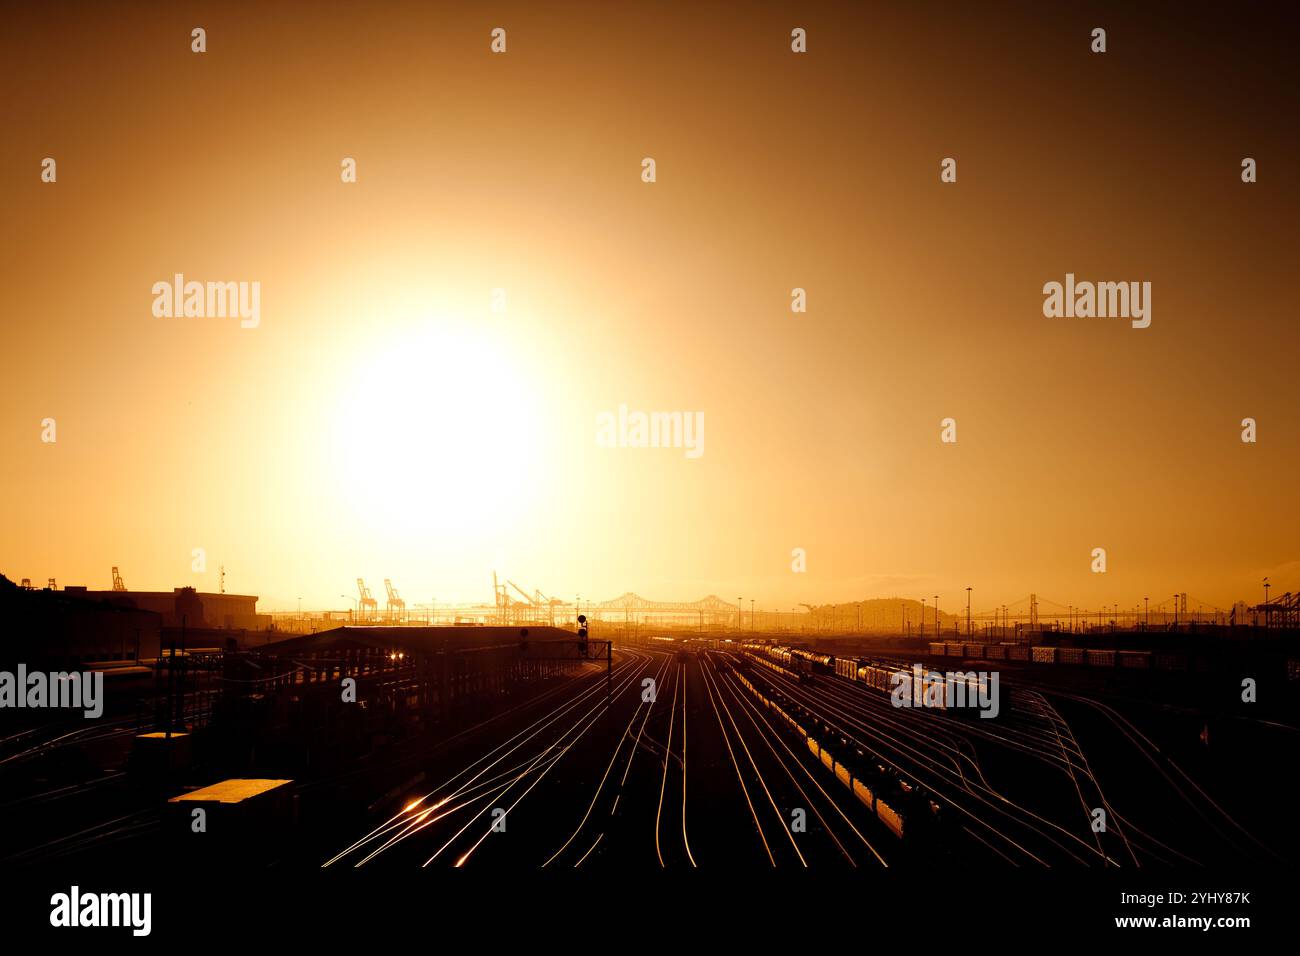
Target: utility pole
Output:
[(968, 612)]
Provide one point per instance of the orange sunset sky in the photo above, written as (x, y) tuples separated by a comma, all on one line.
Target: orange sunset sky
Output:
[(383, 421)]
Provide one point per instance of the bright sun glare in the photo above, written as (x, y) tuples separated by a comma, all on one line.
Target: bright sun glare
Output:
[(438, 430)]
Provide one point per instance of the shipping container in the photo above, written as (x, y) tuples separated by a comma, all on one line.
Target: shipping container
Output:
[(1135, 660), (1044, 655), (1100, 658)]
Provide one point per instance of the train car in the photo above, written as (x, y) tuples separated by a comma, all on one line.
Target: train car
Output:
[(1100, 658), (846, 667), (960, 693), (1069, 655), (820, 663), (968, 694), (1135, 660), (880, 678), (930, 691), (1018, 652), (889, 817), (1043, 655), (842, 772), (973, 650), (938, 649), (1170, 662), (996, 652), (863, 793), (953, 650)]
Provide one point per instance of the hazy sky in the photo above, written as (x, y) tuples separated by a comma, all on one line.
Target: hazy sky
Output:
[(382, 420)]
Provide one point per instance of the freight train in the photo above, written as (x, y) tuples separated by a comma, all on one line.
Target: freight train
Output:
[(906, 808), (957, 693), (1074, 656)]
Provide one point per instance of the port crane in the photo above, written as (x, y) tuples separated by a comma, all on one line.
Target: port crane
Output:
[(395, 602), (118, 583), (367, 600)]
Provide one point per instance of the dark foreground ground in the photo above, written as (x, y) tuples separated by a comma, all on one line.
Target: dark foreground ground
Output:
[(687, 764)]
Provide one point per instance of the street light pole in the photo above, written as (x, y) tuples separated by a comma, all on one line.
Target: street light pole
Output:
[(968, 612)]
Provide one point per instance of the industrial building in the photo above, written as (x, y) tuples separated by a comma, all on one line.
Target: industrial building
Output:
[(198, 609), (55, 627)]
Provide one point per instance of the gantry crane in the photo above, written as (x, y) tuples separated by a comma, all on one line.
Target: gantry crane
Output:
[(395, 602), (534, 605), (118, 584), (551, 604), (501, 598), (367, 601)]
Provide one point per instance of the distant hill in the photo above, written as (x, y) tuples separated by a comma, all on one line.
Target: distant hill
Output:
[(881, 614)]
